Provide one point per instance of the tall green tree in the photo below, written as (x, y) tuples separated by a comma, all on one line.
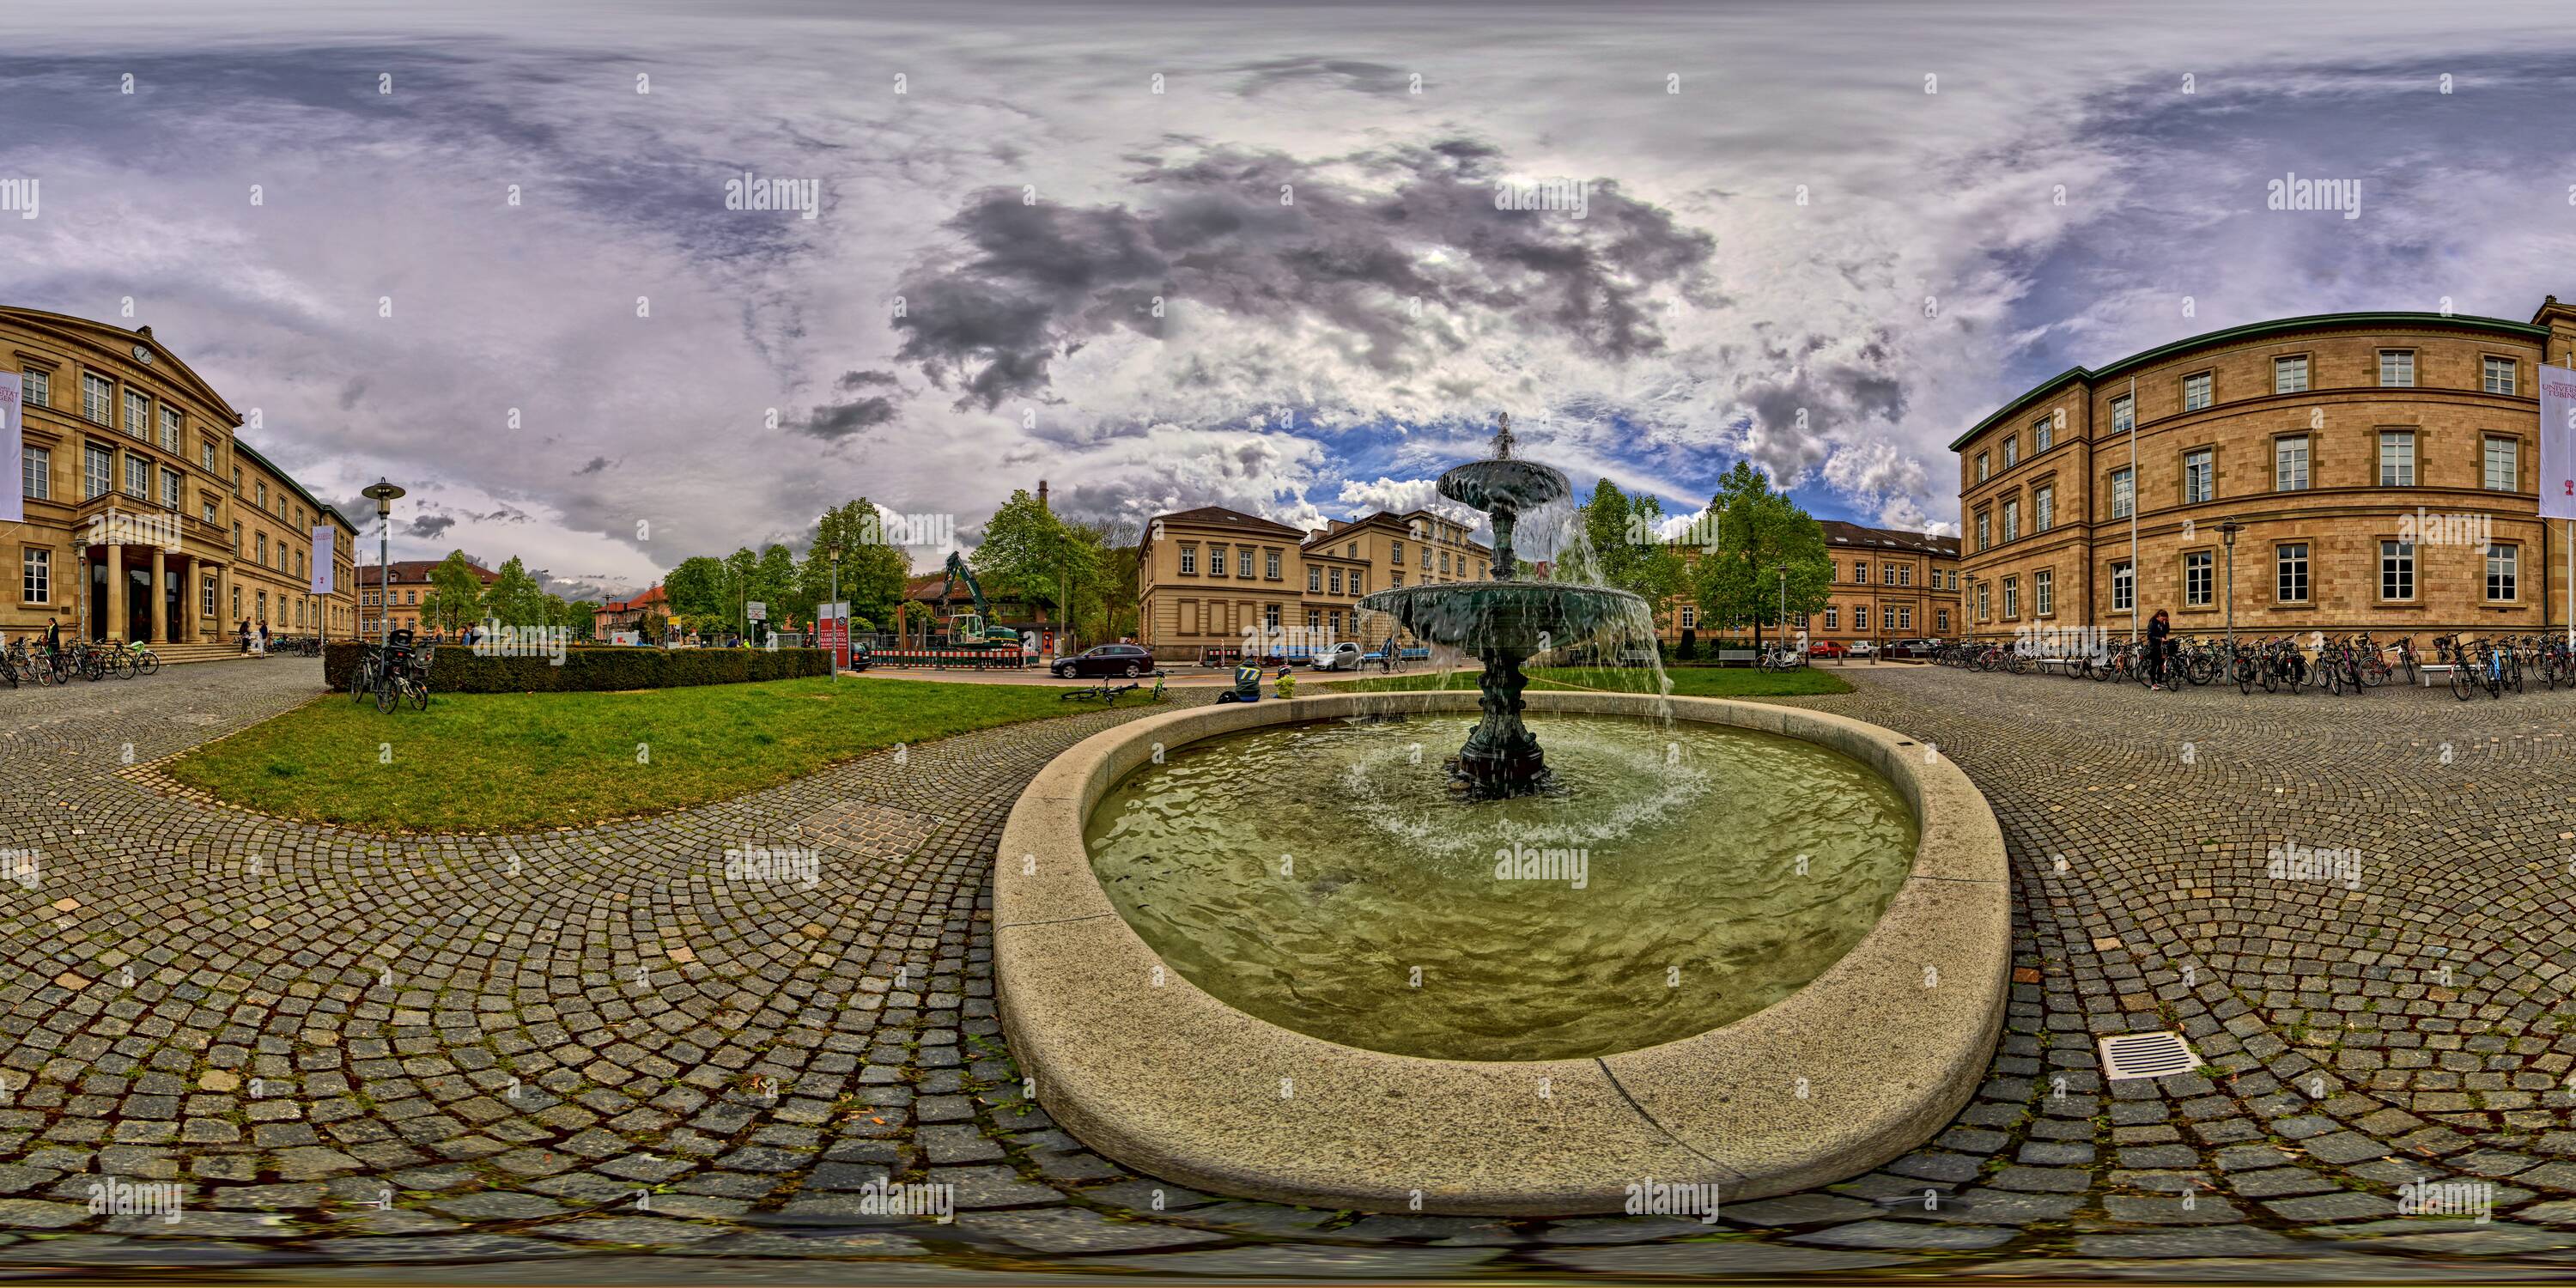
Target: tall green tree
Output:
[(700, 588), (514, 598), (1029, 554), (872, 571), (1760, 533), (1627, 551), (778, 586), (455, 599)]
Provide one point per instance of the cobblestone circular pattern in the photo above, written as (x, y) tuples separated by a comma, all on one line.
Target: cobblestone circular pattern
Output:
[(345, 1048)]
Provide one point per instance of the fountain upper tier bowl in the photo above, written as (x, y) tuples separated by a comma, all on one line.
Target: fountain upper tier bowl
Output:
[(1508, 484), (1520, 616)]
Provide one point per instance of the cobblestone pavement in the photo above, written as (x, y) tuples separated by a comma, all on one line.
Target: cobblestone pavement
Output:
[(344, 1049)]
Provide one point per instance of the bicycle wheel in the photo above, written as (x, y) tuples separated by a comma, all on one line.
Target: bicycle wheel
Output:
[(419, 694), (2245, 676), (362, 681), (149, 661), (386, 693)]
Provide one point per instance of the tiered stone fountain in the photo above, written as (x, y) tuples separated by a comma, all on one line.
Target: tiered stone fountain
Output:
[(1505, 621)]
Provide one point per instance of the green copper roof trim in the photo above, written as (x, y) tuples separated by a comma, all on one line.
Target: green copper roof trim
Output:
[(2250, 331)]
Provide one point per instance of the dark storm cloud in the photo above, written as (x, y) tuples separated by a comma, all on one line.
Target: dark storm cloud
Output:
[(597, 463), (430, 527), (1035, 281)]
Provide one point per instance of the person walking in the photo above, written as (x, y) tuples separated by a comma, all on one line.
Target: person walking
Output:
[(2159, 647), (1386, 654), (53, 644), (245, 637)]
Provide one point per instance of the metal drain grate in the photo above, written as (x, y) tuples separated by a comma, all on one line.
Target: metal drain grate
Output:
[(2146, 1055)]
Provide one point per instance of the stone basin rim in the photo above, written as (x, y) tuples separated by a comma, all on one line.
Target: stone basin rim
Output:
[(1867, 1061)]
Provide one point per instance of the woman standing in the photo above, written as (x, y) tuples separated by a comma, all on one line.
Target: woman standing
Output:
[(2159, 645)]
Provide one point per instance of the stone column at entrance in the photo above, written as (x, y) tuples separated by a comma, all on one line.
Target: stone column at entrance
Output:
[(160, 597), (116, 592)]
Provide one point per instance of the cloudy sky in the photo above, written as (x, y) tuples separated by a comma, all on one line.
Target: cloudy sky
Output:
[(1166, 254)]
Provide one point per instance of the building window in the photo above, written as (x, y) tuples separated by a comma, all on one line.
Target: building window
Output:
[(2123, 495), (138, 415), (2195, 392), (2197, 569), (1337, 581), (1860, 617), (1905, 617), (1270, 615), (2503, 566), (138, 477), (2043, 432), (98, 399), (98, 471), (1905, 575), (1832, 612), (2012, 452), (2124, 588), (1860, 568), (1243, 562), (1984, 606), (1689, 616), (206, 508), (37, 465), (2012, 598), (2197, 475), (1985, 530), (2503, 464), (2043, 592), (169, 429), (206, 597), (1314, 581), (2123, 415), (1444, 563), (1270, 564), (260, 490), (2289, 375), (236, 538), (2397, 458), (206, 454), (259, 548), (1395, 578), (1941, 615), (2290, 465), (2043, 509), (170, 489), (2012, 520), (1985, 468), (2290, 572), (1395, 551), (2397, 368), (1314, 617), (1359, 583), (39, 387), (1189, 561), (237, 612), (2396, 570), (1216, 560), (36, 575), (2499, 375)]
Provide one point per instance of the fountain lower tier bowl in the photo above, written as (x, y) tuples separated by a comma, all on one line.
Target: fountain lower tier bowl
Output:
[(1514, 617)]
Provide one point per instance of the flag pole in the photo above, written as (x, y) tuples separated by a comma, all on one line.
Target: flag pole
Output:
[(2135, 581)]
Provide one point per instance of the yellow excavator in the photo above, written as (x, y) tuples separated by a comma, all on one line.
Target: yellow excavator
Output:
[(975, 629)]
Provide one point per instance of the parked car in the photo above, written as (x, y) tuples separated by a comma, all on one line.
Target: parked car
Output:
[(1344, 656), (1916, 649), (1862, 648), (1129, 660), (1827, 648)]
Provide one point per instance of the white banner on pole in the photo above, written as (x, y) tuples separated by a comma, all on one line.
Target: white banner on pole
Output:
[(324, 568), (2558, 443), (13, 496)]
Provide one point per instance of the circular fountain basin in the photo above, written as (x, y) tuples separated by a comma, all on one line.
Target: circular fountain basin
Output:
[(1321, 877), (1861, 1063)]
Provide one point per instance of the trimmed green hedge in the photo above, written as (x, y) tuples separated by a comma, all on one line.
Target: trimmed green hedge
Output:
[(595, 669)]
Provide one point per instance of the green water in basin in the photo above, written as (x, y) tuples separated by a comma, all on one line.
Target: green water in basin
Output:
[(1321, 877)]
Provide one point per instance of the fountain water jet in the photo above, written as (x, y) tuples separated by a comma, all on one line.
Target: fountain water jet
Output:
[(1506, 621)]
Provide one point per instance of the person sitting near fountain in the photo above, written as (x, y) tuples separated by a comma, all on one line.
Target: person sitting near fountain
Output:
[(1386, 654), (1247, 683), (1287, 682)]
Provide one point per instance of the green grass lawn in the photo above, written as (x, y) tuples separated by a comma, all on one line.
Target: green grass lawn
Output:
[(522, 761), (1688, 681)]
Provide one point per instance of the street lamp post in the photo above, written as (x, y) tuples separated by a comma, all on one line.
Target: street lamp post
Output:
[(1783, 570), (2227, 533), (843, 644), (384, 494)]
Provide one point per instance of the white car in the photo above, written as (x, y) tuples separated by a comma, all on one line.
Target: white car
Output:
[(1862, 648), (1344, 656)]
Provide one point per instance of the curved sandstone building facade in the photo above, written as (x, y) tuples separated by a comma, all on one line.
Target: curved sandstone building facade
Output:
[(2382, 471)]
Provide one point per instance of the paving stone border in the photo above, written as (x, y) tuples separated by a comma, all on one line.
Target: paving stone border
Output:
[(1863, 1064)]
